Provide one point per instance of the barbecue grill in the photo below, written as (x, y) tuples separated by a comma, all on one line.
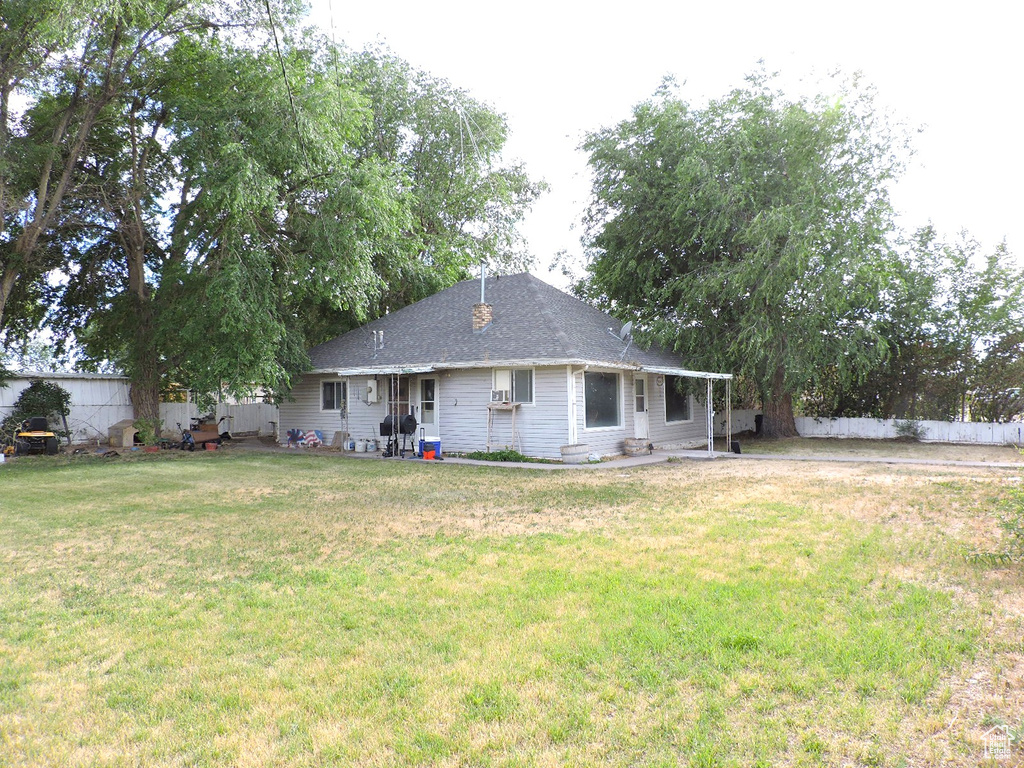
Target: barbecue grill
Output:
[(391, 428)]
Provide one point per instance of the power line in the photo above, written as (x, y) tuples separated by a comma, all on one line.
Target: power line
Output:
[(334, 48), (288, 88)]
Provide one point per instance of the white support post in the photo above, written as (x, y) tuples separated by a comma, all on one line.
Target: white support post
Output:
[(728, 415), (711, 421)]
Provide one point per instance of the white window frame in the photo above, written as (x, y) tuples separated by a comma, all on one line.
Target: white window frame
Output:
[(622, 404), (689, 403), (419, 402), (343, 401), (512, 383)]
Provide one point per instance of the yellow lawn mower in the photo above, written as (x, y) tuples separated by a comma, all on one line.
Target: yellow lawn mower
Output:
[(35, 437)]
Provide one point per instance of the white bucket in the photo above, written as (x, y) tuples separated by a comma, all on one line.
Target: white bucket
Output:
[(360, 446), (3, 458), (350, 444), (371, 445)]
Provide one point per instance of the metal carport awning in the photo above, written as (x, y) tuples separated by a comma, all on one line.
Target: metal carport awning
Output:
[(384, 370), (709, 408)]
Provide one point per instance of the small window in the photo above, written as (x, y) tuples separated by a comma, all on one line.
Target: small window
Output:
[(518, 382), (677, 399), (333, 396), (522, 385), (601, 396), (398, 395)]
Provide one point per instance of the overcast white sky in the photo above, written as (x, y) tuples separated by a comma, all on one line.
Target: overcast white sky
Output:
[(560, 69)]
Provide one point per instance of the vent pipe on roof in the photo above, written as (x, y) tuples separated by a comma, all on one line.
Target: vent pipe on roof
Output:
[(483, 280)]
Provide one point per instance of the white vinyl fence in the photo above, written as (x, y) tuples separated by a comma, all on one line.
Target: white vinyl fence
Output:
[(258, 418), (883, 429), (934, 431), (100, 401)]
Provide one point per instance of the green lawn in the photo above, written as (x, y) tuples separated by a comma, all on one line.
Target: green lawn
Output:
[(266, 609)]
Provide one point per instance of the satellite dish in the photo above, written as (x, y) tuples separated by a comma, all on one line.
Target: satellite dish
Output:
[(627, 331)]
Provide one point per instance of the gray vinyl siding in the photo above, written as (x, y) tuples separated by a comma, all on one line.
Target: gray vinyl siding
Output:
[(462, 397), (303, 411), (611, 441), (685, 433), (541, 427), (462, 409)]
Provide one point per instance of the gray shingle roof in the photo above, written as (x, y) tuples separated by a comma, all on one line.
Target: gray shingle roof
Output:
[(533, 322)]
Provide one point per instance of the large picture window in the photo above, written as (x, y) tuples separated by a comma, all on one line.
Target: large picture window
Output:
[(677, 399), (333, 396), (601, 396), (518, 382)]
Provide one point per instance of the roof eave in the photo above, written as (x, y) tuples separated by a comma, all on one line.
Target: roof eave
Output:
[(384, 370)]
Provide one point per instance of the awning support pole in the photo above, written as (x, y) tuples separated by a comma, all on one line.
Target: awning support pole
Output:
[(728, 414), (711, 421)]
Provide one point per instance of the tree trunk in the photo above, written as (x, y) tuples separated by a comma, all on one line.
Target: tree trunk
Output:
[(778, 409), (144, 370), (145, 395), (7, 280)]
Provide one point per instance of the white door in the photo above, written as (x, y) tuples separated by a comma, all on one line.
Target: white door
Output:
[(640, 428), (427, 415)]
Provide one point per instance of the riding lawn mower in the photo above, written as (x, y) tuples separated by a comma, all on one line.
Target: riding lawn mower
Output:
[(35, 437)]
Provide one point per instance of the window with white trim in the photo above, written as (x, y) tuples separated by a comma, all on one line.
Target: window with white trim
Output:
[(333, 395), (602, 399), (517, 381), (677, 399)]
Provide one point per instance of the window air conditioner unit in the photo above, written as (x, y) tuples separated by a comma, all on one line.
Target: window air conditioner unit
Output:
[(372, 392), (500, 396)]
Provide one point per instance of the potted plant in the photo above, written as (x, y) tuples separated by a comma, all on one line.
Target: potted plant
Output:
[(578, 453)]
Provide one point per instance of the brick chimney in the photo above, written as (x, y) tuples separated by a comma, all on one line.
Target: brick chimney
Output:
[(482, 316)]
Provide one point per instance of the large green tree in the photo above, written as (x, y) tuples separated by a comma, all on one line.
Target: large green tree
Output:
[(79, 54), (466, 199), (216, 205), (749, 235), (952, 318), (238, 201)]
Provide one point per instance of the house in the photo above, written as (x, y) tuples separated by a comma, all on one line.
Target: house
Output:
[(506, 362)]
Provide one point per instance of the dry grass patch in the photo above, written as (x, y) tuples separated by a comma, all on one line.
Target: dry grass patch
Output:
[(883, 449), (309, 610)]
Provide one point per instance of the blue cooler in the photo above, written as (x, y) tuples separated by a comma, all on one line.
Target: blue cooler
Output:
[(430, 444)]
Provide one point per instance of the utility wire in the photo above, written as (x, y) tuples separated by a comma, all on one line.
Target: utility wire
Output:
[(288, 88), (334, 48)]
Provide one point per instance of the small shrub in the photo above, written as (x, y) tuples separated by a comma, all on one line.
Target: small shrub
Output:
[(1012, 523), (146, 431), (506, 454), (910, 430)]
